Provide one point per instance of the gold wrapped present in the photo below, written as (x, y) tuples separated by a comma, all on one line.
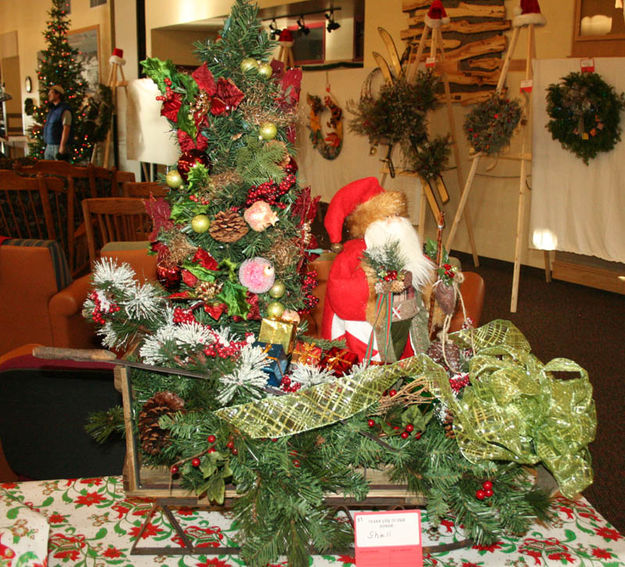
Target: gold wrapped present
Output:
[(277, 332), (306, 353)]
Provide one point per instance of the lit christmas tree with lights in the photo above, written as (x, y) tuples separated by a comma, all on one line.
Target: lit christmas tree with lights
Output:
[(60, 65)]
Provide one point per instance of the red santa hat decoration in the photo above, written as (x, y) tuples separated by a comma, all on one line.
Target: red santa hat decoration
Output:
[(437, 15), (360, 203), (117, 56), (528, 13)]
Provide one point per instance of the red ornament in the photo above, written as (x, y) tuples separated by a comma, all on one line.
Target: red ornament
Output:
[(371, 423), (487, 485), (234, 451), (409, 428), (174, 469), (392, 393), (480, 494), (211, 438), (195, 462), (488, 492), (230, 444), (191, 157), (405, 435), (168, 276)]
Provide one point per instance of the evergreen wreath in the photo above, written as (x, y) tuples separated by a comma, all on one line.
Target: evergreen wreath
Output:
[(330, 145), (490, 125), (585, 114), (398, 115)]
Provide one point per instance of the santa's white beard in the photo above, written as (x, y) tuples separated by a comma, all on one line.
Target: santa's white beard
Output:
[(385, 231)]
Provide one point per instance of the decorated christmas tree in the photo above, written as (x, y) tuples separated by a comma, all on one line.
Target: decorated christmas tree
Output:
[(60, 65), (232, 390)]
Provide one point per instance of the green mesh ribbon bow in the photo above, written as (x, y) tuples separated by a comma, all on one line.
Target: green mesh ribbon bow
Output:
[(514, 409)]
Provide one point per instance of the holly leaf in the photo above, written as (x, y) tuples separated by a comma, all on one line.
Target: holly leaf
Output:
[(233, 295), (159, 70), (215, 489), (199, 272)]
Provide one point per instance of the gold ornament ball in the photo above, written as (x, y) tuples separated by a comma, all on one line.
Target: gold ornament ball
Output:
[(277, 290), (268, 131), (173, 179), (265, 70), (275, 309), (200, 223), (248, 64)]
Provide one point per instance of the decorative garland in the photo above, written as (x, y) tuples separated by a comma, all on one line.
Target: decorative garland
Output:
[(329, 146), (490, 125), (398, 115), (585, 114)]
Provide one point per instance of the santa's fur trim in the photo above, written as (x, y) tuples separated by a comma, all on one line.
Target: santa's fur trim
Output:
[(535, 18), (386, 204), (434, 23)]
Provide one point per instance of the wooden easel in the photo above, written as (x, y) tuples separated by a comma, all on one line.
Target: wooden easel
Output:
[(113, 82), (437, 50), (286, 54), (525, 158)]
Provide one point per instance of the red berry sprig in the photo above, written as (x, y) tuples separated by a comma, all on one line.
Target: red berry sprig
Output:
[(486, 491)]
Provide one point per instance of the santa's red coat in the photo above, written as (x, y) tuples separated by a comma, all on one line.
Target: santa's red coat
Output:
[(345, 307)]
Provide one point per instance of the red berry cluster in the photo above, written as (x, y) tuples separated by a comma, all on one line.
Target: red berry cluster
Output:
[(201, 200), (449, 272), (288, 385), (183, 315), (390, 275), (309, 283), (100, 309), (486, 491), (219, 350), (270, 191), (169, 93), (458, 382), (408, 430)]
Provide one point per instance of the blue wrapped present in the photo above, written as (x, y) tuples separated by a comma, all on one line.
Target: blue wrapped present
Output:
[(278, 365)]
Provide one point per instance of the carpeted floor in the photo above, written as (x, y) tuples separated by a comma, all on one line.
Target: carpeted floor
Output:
[(586, 325)]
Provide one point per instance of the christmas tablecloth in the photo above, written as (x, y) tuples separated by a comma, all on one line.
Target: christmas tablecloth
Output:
[(91, 522)]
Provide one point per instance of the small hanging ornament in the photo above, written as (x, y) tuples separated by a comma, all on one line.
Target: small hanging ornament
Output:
[(277, 290), (173, 179), (191, 157), (275, 309), (268, 131), (168, 276), (260, 216), (265, 70), (248, 64), (257, 275), (200, 223)]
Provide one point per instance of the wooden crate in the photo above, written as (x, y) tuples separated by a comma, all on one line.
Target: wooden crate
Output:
[(156, 483)]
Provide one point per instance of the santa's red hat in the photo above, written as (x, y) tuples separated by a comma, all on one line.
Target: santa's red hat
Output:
[(360, 203), (437, 15), (528, 13)]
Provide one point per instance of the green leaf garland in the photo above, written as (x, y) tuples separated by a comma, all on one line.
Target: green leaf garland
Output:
[(584, 114)]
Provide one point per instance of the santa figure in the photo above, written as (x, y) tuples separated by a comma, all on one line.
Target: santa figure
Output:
[(375, 219)]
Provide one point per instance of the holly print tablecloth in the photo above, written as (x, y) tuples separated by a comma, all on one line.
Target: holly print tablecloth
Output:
[(92, 523)]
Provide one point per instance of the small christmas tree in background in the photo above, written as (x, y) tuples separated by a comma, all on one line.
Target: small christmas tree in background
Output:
[(233, 243), (60, 65)]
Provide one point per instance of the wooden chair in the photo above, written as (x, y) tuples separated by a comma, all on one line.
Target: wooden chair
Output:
[(34, 207), (114, 219), (122, 177), (144, 189)]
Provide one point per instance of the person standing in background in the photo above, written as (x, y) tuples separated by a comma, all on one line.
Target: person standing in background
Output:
[(57, 128)]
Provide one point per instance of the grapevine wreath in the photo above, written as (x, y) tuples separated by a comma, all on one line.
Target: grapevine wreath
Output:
[(330, 145), (585, 114), (490, 125)]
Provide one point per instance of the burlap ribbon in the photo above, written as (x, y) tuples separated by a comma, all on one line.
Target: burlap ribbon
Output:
[(514, 410)]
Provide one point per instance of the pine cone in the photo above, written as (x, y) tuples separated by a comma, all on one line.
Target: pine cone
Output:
[(153, 438), (208, 290), (452, 353), (446, 297), (228, 226), (448, 425), (283, 253)]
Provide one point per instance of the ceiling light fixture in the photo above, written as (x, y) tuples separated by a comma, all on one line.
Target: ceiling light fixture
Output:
[(332, 25), (303, 28), (275, 30)]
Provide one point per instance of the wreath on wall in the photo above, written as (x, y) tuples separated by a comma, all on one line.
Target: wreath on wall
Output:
[(491, 123), (398, 115), (330, 145), (585, 114)]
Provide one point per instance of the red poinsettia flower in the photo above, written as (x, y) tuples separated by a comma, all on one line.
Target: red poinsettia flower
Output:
[(608, 533), (121, 510), (112, 552), (214, 562), (97, 481), (188, 278), (602, 553), (188, 143), (89, 499), (171, 106), (562, 556), (227, 98), (204, 79), (150, 530), (159, 211), (204, 259), (216, 310), (490, 548), (8, 485), (56, 518)]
